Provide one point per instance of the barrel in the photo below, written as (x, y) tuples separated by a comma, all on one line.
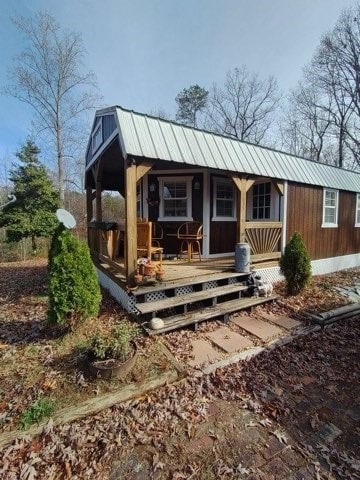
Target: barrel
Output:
[(242, 257)]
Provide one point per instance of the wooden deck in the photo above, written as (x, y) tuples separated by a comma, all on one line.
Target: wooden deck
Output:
[(179, 270), (192, 292)]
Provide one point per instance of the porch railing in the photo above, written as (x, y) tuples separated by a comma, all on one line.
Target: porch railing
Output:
[(263, 237)]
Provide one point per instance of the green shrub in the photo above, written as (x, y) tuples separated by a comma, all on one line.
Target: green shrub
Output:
[(36, 412), (295, 264), (74, 292)]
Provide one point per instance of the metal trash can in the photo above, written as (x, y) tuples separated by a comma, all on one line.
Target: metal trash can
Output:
[(242, 257)]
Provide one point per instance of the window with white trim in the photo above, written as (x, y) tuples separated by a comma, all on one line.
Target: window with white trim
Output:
[(175, 198), (261, 206), (223, 200), (357, 212), (97, 137), (330, 208)]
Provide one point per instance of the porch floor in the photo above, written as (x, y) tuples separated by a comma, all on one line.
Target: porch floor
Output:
[(181, 270)]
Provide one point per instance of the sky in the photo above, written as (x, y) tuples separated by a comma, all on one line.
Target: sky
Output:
[(144, 52)]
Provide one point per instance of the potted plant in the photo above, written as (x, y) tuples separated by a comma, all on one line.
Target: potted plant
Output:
[(112, 355)]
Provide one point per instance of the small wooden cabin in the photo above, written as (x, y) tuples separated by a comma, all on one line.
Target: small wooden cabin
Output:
[(172, 175)]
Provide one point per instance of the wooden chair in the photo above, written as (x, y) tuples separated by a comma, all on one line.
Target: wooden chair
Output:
[(190, 234), (144, 241), (157, 234)]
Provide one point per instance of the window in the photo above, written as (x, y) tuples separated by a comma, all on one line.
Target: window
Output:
[(175, 198), (357, 212), (330, 208), (261, 201), (97, 137), (224, 200), (138, 201)]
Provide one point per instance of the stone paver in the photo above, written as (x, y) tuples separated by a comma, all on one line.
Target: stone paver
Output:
[(284, 322), (228, 340), (260, 329), (203, 352)]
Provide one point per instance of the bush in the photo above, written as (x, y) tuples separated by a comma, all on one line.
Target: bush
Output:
[(295, 264), (74, 292), (115, 345)]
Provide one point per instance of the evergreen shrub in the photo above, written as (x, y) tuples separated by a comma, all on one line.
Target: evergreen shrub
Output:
[(74, 292), (295, 265)]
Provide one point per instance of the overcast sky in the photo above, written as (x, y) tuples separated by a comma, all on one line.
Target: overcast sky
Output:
[(145, 51)]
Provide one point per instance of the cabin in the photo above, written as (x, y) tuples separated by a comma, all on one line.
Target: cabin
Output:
[(191, 199)]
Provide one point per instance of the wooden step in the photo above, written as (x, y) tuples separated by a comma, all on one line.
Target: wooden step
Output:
[(178, 300), (208, 313), (190, 281)]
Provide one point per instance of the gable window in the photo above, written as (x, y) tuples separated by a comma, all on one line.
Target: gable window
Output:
[(97, 137), (175, 198), (330, 208), (223, 200), (261, 206), (357, 212)]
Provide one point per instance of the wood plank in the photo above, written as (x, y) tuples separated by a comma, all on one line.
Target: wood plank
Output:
[(214, 277), (261, 257), (142, 169), (263, 224), (172, 302), (208, 313), (94, 405)]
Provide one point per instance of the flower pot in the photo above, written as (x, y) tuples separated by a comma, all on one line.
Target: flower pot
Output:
[(160, 275), (112, 368), (149, 269)]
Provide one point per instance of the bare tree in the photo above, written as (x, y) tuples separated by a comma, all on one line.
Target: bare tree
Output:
[(47, 75), (306, 125), (244, 108)]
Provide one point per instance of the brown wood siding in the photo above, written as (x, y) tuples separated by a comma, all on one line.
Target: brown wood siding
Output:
[(305, 208)]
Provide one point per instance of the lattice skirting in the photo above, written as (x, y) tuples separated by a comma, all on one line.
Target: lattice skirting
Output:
[(128, 302), (319, 267)]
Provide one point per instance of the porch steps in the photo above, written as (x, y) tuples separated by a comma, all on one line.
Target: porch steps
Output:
[(221, 310), (222, 277), (189, 298)]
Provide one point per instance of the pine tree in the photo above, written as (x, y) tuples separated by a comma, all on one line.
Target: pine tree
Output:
[(295, 264), (32, 215), (74, 292), (191, 102)]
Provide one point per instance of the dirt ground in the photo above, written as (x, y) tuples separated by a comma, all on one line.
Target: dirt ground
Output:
[(289, 413)]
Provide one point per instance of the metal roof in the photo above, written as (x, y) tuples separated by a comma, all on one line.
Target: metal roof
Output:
[(150, 137)]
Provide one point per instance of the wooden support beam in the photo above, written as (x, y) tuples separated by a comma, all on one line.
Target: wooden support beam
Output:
[(242, 185), (279, 187), (130, 220), (142, 169)]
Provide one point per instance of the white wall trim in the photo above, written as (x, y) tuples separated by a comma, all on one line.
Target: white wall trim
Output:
[(333, 264), (319, 267), (206, 214), (284, 216)]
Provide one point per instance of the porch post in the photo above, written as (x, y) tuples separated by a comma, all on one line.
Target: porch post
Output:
[(89, 204), (242, 185), (130, 219)]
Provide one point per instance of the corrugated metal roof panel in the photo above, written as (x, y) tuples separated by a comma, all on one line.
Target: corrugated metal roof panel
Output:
[(156, 138)]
